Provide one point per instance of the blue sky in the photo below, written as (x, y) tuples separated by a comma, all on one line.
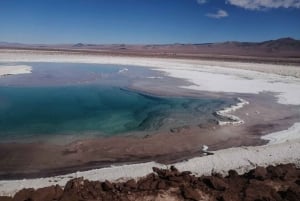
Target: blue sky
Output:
[(147, 21)]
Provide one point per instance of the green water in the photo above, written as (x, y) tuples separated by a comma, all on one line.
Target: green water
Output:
[(82, 100), (32, 111)]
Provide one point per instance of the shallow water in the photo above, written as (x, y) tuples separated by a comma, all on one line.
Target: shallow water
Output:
[(86, 100)]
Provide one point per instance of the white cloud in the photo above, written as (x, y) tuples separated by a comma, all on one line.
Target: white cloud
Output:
[(201, 1), (263, 4), (219, 14)]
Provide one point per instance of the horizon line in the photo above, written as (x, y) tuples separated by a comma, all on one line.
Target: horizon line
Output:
[(138, 44)]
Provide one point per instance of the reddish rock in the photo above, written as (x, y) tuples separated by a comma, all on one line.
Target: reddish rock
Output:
[(259, 173), (25, 194), (48, 193), (229, 196), (186, 173), (215, 183), (162, 185), (131, 184), (281, 171), (5, 198), (292, 193), (107, 186), (270, 184), (178, 179), (232, 174), (73, 184), (190, 194), (257, 190), (145, 184)]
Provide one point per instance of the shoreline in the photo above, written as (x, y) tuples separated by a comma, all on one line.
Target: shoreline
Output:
[(6, 55), (286, 151), (241, 159), (181, 144)]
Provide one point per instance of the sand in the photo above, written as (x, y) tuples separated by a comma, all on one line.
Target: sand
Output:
[(233, 77), (14, 69)]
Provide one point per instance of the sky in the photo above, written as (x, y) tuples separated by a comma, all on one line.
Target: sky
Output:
[(147, 21)]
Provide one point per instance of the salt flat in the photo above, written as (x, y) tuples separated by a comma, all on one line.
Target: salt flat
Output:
[(213, 76), (14, 69)]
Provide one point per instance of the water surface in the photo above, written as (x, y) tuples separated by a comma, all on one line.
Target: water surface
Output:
[(84, 100)]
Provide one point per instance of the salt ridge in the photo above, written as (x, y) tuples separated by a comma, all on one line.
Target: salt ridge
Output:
[(225, 113)]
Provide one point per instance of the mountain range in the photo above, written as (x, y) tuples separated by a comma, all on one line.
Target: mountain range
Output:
[(284, 48)]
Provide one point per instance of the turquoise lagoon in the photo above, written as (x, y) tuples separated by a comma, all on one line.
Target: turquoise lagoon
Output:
[(85, 100)]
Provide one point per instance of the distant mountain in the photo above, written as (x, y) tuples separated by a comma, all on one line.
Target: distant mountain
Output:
[(283, 47), (289, 43), (279, 43), (78, 45), (10, 44)]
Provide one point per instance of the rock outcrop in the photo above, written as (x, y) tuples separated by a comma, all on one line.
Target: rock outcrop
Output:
[(274, 183)]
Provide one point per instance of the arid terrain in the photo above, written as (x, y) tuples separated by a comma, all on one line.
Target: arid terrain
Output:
[(284, 50), (265, 74)]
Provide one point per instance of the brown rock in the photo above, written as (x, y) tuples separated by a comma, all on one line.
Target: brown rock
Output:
[(232, 174), (70, 196), (281, 171), (215, 183), (186, 173), (162, 173), (131, 184), (24, 194), (73, 184), (259, 173), (161, 185), (172, 184), (107, 186), (5, 198), (145, 184), (48, 193), (173, 169), (292, 193), (257, 190), (270, 184), (178, 179), (191, 194), (229, 196)]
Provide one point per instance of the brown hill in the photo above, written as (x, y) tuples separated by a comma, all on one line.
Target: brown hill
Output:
[(284, 50)]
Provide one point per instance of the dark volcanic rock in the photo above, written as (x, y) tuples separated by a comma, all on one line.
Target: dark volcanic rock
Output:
[(274, 183)]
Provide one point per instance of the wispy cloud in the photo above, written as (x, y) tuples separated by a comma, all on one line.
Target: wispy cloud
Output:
[(264, 4), (201, 1), (219, 14)]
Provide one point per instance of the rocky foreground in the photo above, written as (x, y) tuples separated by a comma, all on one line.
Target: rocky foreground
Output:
[(276, 183)]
